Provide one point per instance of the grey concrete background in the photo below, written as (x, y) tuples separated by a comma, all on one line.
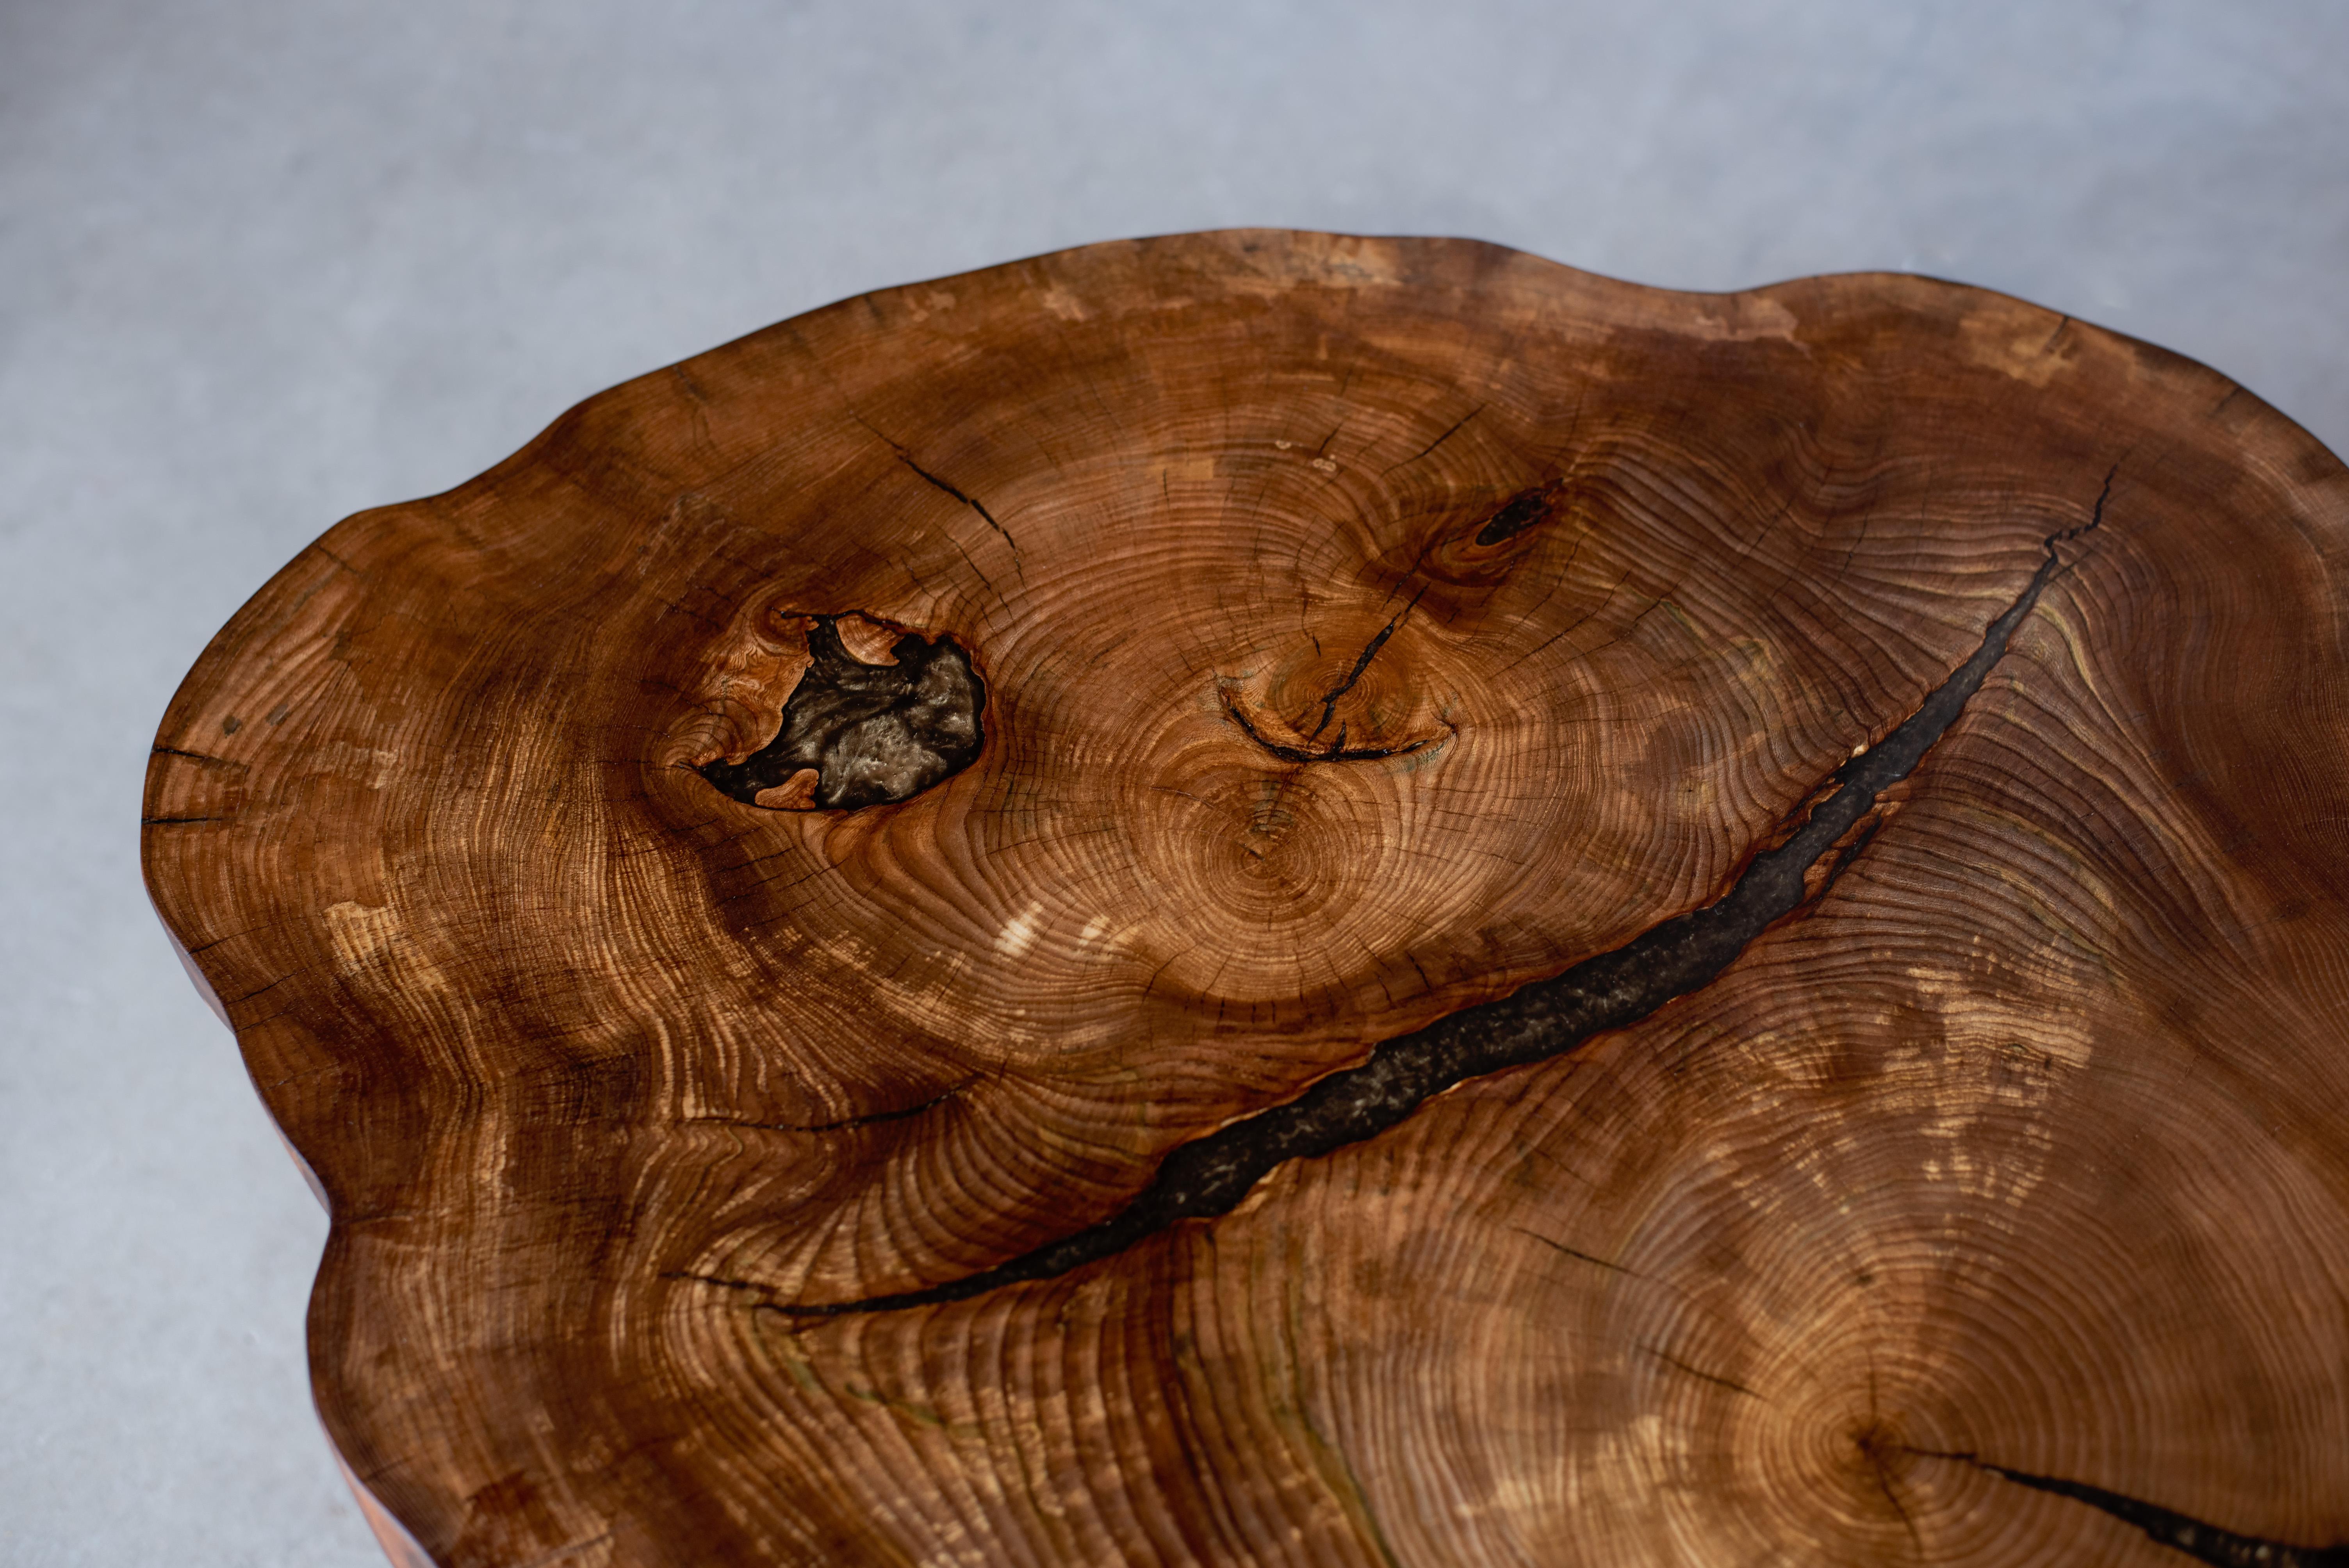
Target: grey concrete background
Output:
[(263, 263)]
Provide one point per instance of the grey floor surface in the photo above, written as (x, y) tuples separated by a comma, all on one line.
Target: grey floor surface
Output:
[(264, 263)]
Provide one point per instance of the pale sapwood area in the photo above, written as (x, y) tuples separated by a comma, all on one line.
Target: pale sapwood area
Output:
[(1269, 898)]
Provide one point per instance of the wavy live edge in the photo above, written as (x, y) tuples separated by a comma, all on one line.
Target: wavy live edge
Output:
[(1262, 897)]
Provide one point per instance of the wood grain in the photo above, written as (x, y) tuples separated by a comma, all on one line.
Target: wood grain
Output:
[(708, 1015)]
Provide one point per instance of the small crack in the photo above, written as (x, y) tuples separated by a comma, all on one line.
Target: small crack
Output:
[(905, 456), (1208, 1177), (719, 1281), (2095, 514), (204, 758), (1457, 426), (1874, 1447), (846, 1123), (1335, 751), (1369, 651), (971, 501), (1699, 1373), (1578, 1255)]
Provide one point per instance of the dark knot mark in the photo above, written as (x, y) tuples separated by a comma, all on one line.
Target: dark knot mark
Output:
[(2203, 1543), (875, 734), (1522, 511), (1208, 1176)]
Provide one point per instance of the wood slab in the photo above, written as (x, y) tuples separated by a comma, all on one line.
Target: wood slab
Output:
[(1270, 898)]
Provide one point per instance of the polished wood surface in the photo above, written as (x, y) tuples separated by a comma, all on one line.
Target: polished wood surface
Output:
[(1262, 897)]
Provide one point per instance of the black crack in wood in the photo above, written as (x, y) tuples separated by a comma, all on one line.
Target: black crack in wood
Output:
[(1208, 1176), (1369, 651), (875, 734), (973, 502), (197, 757), (1335, 751), (1522, 513), (2203, 1543)]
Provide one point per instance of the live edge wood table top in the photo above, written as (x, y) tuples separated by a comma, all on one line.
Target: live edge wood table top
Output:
[(1270, 898)]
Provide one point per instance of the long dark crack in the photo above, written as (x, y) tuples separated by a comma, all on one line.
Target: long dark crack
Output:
[(2203, 1543), (1208, 1176)]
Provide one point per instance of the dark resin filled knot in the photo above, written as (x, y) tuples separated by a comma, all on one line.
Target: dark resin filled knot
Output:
[(873, 734)]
